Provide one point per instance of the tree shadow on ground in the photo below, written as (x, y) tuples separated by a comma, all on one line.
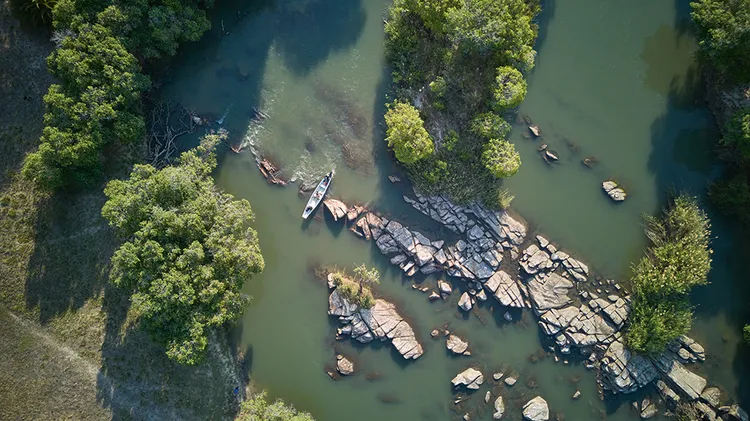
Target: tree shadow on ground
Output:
[(70, 261), (138, 381)]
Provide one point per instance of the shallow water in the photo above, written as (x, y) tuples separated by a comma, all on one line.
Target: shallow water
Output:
[(618, 81)]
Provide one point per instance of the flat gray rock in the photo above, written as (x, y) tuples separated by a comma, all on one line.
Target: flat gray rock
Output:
[(683, 380), (505, 290), (471, 378), (465, 302), (548, 293), (499, 408), (456, 345), (536, 410)]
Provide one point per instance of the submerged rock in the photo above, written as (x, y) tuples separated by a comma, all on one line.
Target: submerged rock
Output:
[(471, 378), (615, 193), (344, 366), (536, 410)]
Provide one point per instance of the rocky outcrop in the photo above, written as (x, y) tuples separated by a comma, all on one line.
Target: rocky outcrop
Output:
[(535, 260), (457, 345), (671, 398), (623, 372), (687, 383), (549, 292), (344, 366), (471, 378), (536, 410), (613, 191), (336, 208), (505, 290), (381, 322)]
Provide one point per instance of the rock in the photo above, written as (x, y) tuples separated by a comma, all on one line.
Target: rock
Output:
[(510, 380), (683, 380), (536, 410), (648, 412), (467, 417), (534, 129), (401, 235), (386, 244), (385, 323), (550, 155), (734, 412), (615, 193), (487, 396), (329, 282), (499, 408), (543, 242), (456, 345), (549, 293), (376, 224), (339, 306), (435, 333), (337, 208), (535, 260), (471, 378), (393, 179), (433, 296), (623, 372), (353, 212), (505, 290), (344, 366), (670, 397), (684, 354), (444, 287), (498, 376), (424, 254), (362, 228), (712, 396), (478, 269), (577, 394), (705, 412), (507, 316), (481, 295), (465, 302)]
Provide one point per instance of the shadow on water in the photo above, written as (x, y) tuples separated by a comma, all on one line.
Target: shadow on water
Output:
[(543, 20)]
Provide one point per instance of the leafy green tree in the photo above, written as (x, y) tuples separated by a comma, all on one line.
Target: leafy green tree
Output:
[(510, 89), (678, 260), (187, 253), (432, 12), (724, 33), (489, 126), (406, 133), (731, 195), (501, 158), (500, 28), (737, 134), (257, 408)]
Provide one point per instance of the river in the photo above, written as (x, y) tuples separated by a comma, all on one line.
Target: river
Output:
[(613, 80)]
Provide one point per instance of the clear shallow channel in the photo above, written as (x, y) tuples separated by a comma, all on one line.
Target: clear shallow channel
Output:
[(618, 80)]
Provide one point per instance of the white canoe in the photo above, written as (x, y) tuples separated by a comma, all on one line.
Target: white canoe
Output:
[(317, 195)]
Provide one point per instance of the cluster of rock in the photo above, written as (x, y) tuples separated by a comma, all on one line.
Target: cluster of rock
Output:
[(614, 192), (545, 282), (457, 345), (380, 322)]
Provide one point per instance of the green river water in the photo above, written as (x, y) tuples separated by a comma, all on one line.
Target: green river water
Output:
[(616, 80)]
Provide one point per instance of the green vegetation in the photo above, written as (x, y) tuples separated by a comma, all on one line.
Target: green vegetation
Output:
[(357, 290), (724, 33), (257, 408), (461, 64), (188, 250), (678, 259), (98, 99), (406, 133)]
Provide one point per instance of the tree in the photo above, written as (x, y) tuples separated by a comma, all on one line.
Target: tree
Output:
[(406, 133), (678, 260), (187, 251), (490, 125), (499, 28), (501, 158), (737, 134), (510, 89), (432, 12), (724, 33), (257, 408)]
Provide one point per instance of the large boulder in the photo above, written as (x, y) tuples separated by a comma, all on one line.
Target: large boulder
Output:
[(614, 191), (340, 306), (683, 380), (336, 207), (535, 260), (344, 366), (456, 345), (505, 290), (499, 408), (444, 287), (536, 410), (549, 292), (471, 378), (465, 302), (623, 372)]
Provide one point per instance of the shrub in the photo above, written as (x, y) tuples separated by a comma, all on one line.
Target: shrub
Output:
[(500, 158), (510, 89), (678, 260), (187, 251), (490, 125), (737, 134), (724, 33), (357, 290), (257, 408), (406, 133), (498, 199)]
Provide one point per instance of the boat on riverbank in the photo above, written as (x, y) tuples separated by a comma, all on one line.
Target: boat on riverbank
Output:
[(317, 196)]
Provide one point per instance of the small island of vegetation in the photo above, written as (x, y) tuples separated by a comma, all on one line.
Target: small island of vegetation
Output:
[(458, 69)]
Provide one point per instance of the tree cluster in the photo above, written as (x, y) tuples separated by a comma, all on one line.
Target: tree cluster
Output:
[(461, 63), (357, 289), (98, 98), (678, 260), (188, 250)]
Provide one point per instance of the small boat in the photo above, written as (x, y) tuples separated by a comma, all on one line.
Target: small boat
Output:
[(317, 195)]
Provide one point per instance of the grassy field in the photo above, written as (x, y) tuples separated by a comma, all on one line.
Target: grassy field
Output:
[(70, 348)]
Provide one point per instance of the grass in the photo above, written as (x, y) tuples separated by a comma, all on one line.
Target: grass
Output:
[(71, 348)]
